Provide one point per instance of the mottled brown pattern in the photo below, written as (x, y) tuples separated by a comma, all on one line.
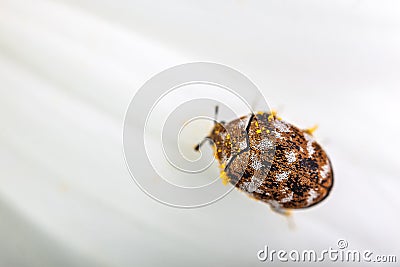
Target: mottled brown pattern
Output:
[(273, 161)]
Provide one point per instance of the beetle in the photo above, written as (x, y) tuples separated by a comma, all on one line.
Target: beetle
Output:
[(271, 160)]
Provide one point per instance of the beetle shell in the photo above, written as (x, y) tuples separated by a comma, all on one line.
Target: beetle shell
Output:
[(273, 161)]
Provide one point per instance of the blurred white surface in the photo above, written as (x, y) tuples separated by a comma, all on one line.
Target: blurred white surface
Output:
[(69, 69)]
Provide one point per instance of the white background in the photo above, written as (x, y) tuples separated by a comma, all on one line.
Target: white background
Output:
[(68, 70)]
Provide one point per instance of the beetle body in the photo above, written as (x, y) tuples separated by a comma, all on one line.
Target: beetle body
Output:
[(272, 161)]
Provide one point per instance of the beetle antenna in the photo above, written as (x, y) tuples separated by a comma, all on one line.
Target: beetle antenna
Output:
[(216, 114)]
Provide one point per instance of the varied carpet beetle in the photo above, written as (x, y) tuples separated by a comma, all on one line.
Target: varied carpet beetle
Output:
[(272, 161)]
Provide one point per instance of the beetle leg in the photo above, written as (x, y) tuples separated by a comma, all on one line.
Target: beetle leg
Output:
[(247, 140), (197, 147), (280, 210), (311, 130), (249, 123)]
